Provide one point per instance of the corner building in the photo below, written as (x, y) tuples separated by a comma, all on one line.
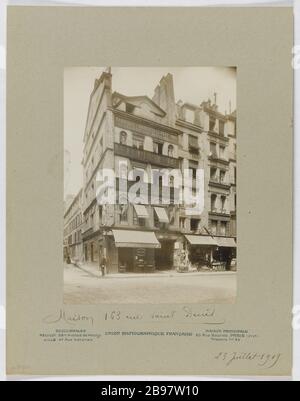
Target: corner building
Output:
[(153, 134)]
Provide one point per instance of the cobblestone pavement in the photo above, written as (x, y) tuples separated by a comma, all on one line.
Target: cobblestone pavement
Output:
[(80, 287)]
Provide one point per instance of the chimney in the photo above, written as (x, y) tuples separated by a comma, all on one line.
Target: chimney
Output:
[(215, 98), (164, 97)]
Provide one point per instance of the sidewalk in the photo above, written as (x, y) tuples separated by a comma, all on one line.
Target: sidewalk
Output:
[(93, 270)]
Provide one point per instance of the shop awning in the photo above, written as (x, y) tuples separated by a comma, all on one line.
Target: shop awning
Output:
[(135, 239), (141, 211), (201, 240), (161, 214), (226, 242)]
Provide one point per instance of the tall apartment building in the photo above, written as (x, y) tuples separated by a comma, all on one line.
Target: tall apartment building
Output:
[(154, 134)]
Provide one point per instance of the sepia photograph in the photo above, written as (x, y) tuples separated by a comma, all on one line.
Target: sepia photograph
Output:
[(150, 185)]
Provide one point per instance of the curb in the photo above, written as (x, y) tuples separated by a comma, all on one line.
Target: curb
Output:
[(143, 275)]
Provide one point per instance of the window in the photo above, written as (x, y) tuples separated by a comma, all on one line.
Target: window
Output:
[(223, 203), (194, 168), (213, 149), (193, 144), (138, 221), (158, 148), (182, 223), (223, 228), (129, 108), (235, 175), (193, 141), (213, 200), (172, 190), (195, 224), (213, 227), (171, 151), (123, 213), (221, 128), (160, 188), (235, 202), (222, 152), (222, 176), (212, 123), (138, 143), (123, 138), (213, 174)]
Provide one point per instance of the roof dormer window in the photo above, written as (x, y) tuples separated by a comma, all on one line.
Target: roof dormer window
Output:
[(129, 108)]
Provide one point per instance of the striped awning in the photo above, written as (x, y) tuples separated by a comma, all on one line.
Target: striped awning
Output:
[(226, 242), (135, 239), (141, 211), (201, 240), (161, 214)]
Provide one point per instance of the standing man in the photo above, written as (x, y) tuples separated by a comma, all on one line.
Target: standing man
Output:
[(103, 265)]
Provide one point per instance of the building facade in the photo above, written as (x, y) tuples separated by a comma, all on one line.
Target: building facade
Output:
[(149, 135), (73, 222)]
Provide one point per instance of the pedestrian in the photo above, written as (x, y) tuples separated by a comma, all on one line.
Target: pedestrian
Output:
[(103, 265)]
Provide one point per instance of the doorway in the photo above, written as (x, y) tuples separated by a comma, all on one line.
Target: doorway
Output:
[(164, 257)]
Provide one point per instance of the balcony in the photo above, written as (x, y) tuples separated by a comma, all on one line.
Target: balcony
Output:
[(146, 157), (218, 135), (214, 157), (219, 212), (215, 182), (194, 151), (87, 233)]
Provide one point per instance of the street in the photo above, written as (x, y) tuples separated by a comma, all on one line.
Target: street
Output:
[(81, 287)]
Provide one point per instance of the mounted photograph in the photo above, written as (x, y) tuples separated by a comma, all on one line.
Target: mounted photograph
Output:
[(150, 185)]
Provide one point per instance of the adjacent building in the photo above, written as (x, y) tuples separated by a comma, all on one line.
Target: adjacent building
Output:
[(73, 223), (149, 135)]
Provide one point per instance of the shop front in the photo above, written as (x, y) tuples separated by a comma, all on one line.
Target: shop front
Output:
[(136, 250), (225, 253), (201, 250)]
